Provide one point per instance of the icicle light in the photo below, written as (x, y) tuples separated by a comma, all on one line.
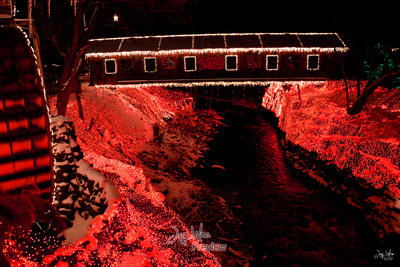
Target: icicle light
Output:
[(75, 5), (30, 18), (216, 51), (48, 7), (210, 83), (260, 48), (36, 64)]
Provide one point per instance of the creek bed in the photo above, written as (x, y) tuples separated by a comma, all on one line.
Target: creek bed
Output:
[(288, 219)]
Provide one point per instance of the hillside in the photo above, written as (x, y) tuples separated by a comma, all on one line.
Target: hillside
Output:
[(366, 145)]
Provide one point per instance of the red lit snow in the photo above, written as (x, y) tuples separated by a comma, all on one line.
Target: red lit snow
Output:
[(366, 145), (117, 125), (137, 234), (133, 231)]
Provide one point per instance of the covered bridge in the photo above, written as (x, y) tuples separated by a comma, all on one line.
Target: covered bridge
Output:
[(210, 59)]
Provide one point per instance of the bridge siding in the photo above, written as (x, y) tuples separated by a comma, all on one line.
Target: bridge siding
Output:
[(98, 76)]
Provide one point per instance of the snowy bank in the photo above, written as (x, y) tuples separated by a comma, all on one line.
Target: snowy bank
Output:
[(117, 125), (80, 193), (169, 158), (313, 116)]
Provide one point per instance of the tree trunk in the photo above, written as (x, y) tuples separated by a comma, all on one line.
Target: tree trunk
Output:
[(80, 108), (298, 90), (70, 85), (347, 94), (69, 78), (347, 88)]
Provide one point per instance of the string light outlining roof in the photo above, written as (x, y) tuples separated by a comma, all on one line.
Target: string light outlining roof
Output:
[(216, 43)]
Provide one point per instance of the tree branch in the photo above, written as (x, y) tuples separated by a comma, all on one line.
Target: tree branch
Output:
[(362, 100)]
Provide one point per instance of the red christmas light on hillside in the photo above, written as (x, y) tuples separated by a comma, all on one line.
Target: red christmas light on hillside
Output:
[(314, 116)]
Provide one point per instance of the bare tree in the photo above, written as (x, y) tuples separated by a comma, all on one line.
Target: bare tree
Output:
[(83, 28), (67, 26)]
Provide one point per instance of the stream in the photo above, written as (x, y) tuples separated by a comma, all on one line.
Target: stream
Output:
[(288, 220)]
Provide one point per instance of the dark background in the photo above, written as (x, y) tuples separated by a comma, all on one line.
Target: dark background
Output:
[(359, 24)]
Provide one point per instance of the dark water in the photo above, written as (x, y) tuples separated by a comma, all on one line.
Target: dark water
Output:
[(289, 220)]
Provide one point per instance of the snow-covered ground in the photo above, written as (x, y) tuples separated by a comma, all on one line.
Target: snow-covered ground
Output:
[(81, 192), (116, 217), (117, 124)]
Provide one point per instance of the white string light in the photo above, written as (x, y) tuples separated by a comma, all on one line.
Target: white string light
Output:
[(308, 62), (48, 7), (217, 51), (227, 57), (195, 63), (149, 59), (30, 17), (210, 83), (268, 67), (106, 62), (221, 34), (261, 49), (36, 63)]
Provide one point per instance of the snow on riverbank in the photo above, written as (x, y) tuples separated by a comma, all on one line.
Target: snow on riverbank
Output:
[(314, 117), (169, 158), (117, 125), (81, 193)]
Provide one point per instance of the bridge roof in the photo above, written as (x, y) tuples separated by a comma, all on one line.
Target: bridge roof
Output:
[(200, 43)]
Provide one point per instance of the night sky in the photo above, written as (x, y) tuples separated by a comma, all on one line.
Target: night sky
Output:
[(358, 24), (370, 21)]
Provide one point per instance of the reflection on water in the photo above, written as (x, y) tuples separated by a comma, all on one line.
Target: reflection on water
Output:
[(287, 222)]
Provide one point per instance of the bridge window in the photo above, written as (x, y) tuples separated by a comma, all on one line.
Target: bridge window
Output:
[(190, 63), (231, 63), (150, 64), (272, 62), (111, 66), (313, 62)]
